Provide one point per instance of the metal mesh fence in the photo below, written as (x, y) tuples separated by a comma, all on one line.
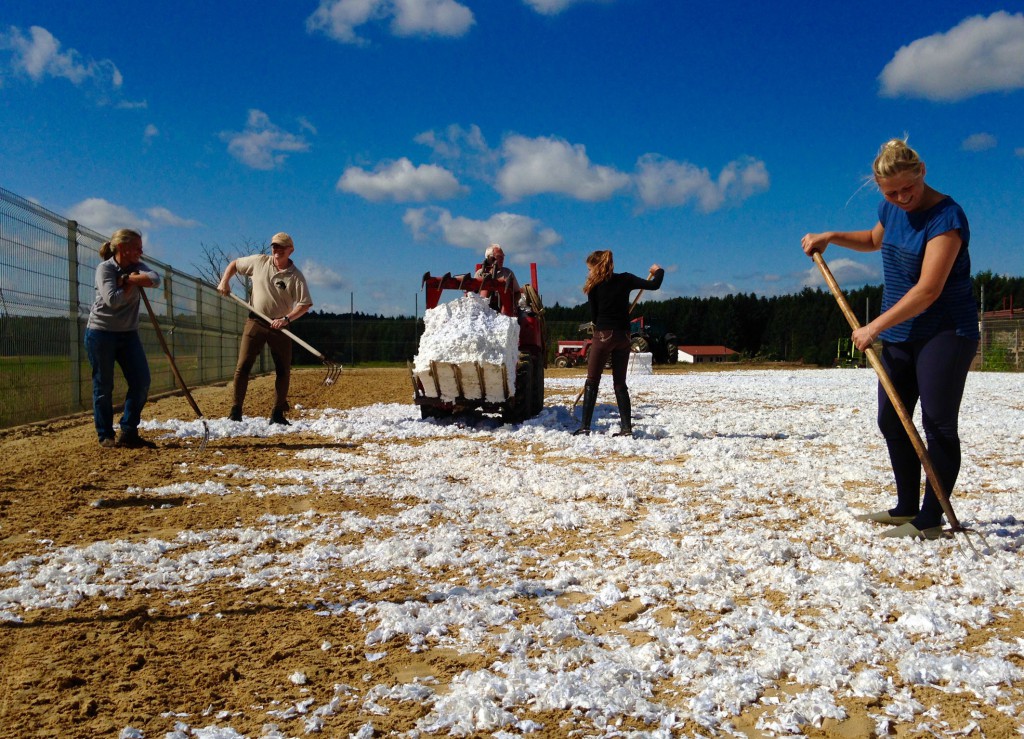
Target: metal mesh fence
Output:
[(1002, 344), (47, 278)]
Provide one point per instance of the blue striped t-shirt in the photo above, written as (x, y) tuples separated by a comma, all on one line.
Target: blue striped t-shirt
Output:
[(903, 245)]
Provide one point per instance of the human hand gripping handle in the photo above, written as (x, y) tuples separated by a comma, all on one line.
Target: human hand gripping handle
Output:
[(650, 276)]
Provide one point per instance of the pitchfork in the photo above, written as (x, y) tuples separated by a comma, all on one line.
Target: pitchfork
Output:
[(174, 368), (333, 368), (955, 526)]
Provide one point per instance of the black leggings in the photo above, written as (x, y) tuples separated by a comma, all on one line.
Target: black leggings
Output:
[(609, 343), (935, 371)]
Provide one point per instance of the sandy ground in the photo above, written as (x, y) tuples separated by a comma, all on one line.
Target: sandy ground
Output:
[(87, 672)]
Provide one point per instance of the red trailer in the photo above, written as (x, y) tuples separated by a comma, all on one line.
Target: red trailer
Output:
[(516, 404)]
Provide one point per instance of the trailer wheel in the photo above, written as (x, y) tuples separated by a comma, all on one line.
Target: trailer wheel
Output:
[(517, 409), (538, 387)]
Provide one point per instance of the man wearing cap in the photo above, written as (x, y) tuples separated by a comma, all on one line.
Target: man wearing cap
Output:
[(494, 266), (279, 291)]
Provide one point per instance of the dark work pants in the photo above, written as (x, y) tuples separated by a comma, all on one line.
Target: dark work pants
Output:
[(255, 336), (935, 371), (609, 343)]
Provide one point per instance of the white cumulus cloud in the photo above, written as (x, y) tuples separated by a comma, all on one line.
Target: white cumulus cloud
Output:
[(319, 275), (662, 182), (38, 55), (401, 182), (979, 142), (263, 145), (523, 239), (339, 19), (164, 217), (846, 272), (978, 55), (105, 217), (554, 7), (553, 165)]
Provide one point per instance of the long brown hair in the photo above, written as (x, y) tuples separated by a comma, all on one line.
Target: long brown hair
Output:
[(601, 266)]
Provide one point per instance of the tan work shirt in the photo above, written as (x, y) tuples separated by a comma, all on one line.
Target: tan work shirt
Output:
[(274, 292)]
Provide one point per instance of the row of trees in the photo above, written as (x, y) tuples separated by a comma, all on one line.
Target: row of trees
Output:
[(805, 326)]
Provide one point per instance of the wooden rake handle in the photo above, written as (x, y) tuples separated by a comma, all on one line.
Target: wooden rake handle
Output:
[(897, 402), (284, 331), (167, 351)]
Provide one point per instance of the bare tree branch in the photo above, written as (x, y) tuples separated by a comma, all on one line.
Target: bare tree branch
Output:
[(215, 260)]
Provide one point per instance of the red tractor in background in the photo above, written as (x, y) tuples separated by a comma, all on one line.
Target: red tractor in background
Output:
[(475, 386), (645, 336), (572, 353)]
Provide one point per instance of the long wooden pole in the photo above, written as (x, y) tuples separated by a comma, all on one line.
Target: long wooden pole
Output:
[(897, 402), (174, 368)]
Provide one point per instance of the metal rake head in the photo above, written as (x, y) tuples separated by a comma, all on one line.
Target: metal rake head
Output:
[(206, 436), (967, 532), (333, 372)]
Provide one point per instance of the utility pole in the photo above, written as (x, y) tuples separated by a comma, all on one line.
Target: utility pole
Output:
[(352, 327), (981, 327)]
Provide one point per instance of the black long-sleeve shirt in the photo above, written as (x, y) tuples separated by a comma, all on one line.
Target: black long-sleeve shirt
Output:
[(609, 301)]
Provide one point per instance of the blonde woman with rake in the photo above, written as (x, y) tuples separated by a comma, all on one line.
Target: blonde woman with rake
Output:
[(928, 326)]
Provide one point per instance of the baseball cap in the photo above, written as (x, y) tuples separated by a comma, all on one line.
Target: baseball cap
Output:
[(283, 239)]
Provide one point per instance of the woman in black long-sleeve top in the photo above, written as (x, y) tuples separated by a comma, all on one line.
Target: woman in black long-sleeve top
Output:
[(608, 294)]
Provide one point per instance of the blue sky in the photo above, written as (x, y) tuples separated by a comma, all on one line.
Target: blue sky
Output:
[(395, 137)]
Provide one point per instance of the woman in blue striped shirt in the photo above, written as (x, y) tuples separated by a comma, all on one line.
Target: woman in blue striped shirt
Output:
[(928, 326)]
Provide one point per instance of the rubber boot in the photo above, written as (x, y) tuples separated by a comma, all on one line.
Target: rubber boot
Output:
[(625, 412), (589, 401)]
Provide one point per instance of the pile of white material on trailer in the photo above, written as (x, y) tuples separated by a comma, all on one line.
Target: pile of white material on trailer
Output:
[(468, 350), (641, 363)]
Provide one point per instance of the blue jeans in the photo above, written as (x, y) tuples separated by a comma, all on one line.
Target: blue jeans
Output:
[(933, 371), (105, 348)]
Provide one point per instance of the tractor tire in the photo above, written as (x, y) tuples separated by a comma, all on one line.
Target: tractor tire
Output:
[(538, 388), (517, 408), (639, 344), (673, 354), (562, 361)]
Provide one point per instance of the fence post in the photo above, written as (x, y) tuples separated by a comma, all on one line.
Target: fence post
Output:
[(169, 316), (75, 348), (200, 334)]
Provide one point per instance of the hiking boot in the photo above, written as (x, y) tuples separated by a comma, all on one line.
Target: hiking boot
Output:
[(884, 517), (134, 441), (910, 531), (108, 443), (235, 414), (277, 417)]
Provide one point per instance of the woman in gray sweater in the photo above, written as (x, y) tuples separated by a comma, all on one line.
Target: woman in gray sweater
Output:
[(112, 337)]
